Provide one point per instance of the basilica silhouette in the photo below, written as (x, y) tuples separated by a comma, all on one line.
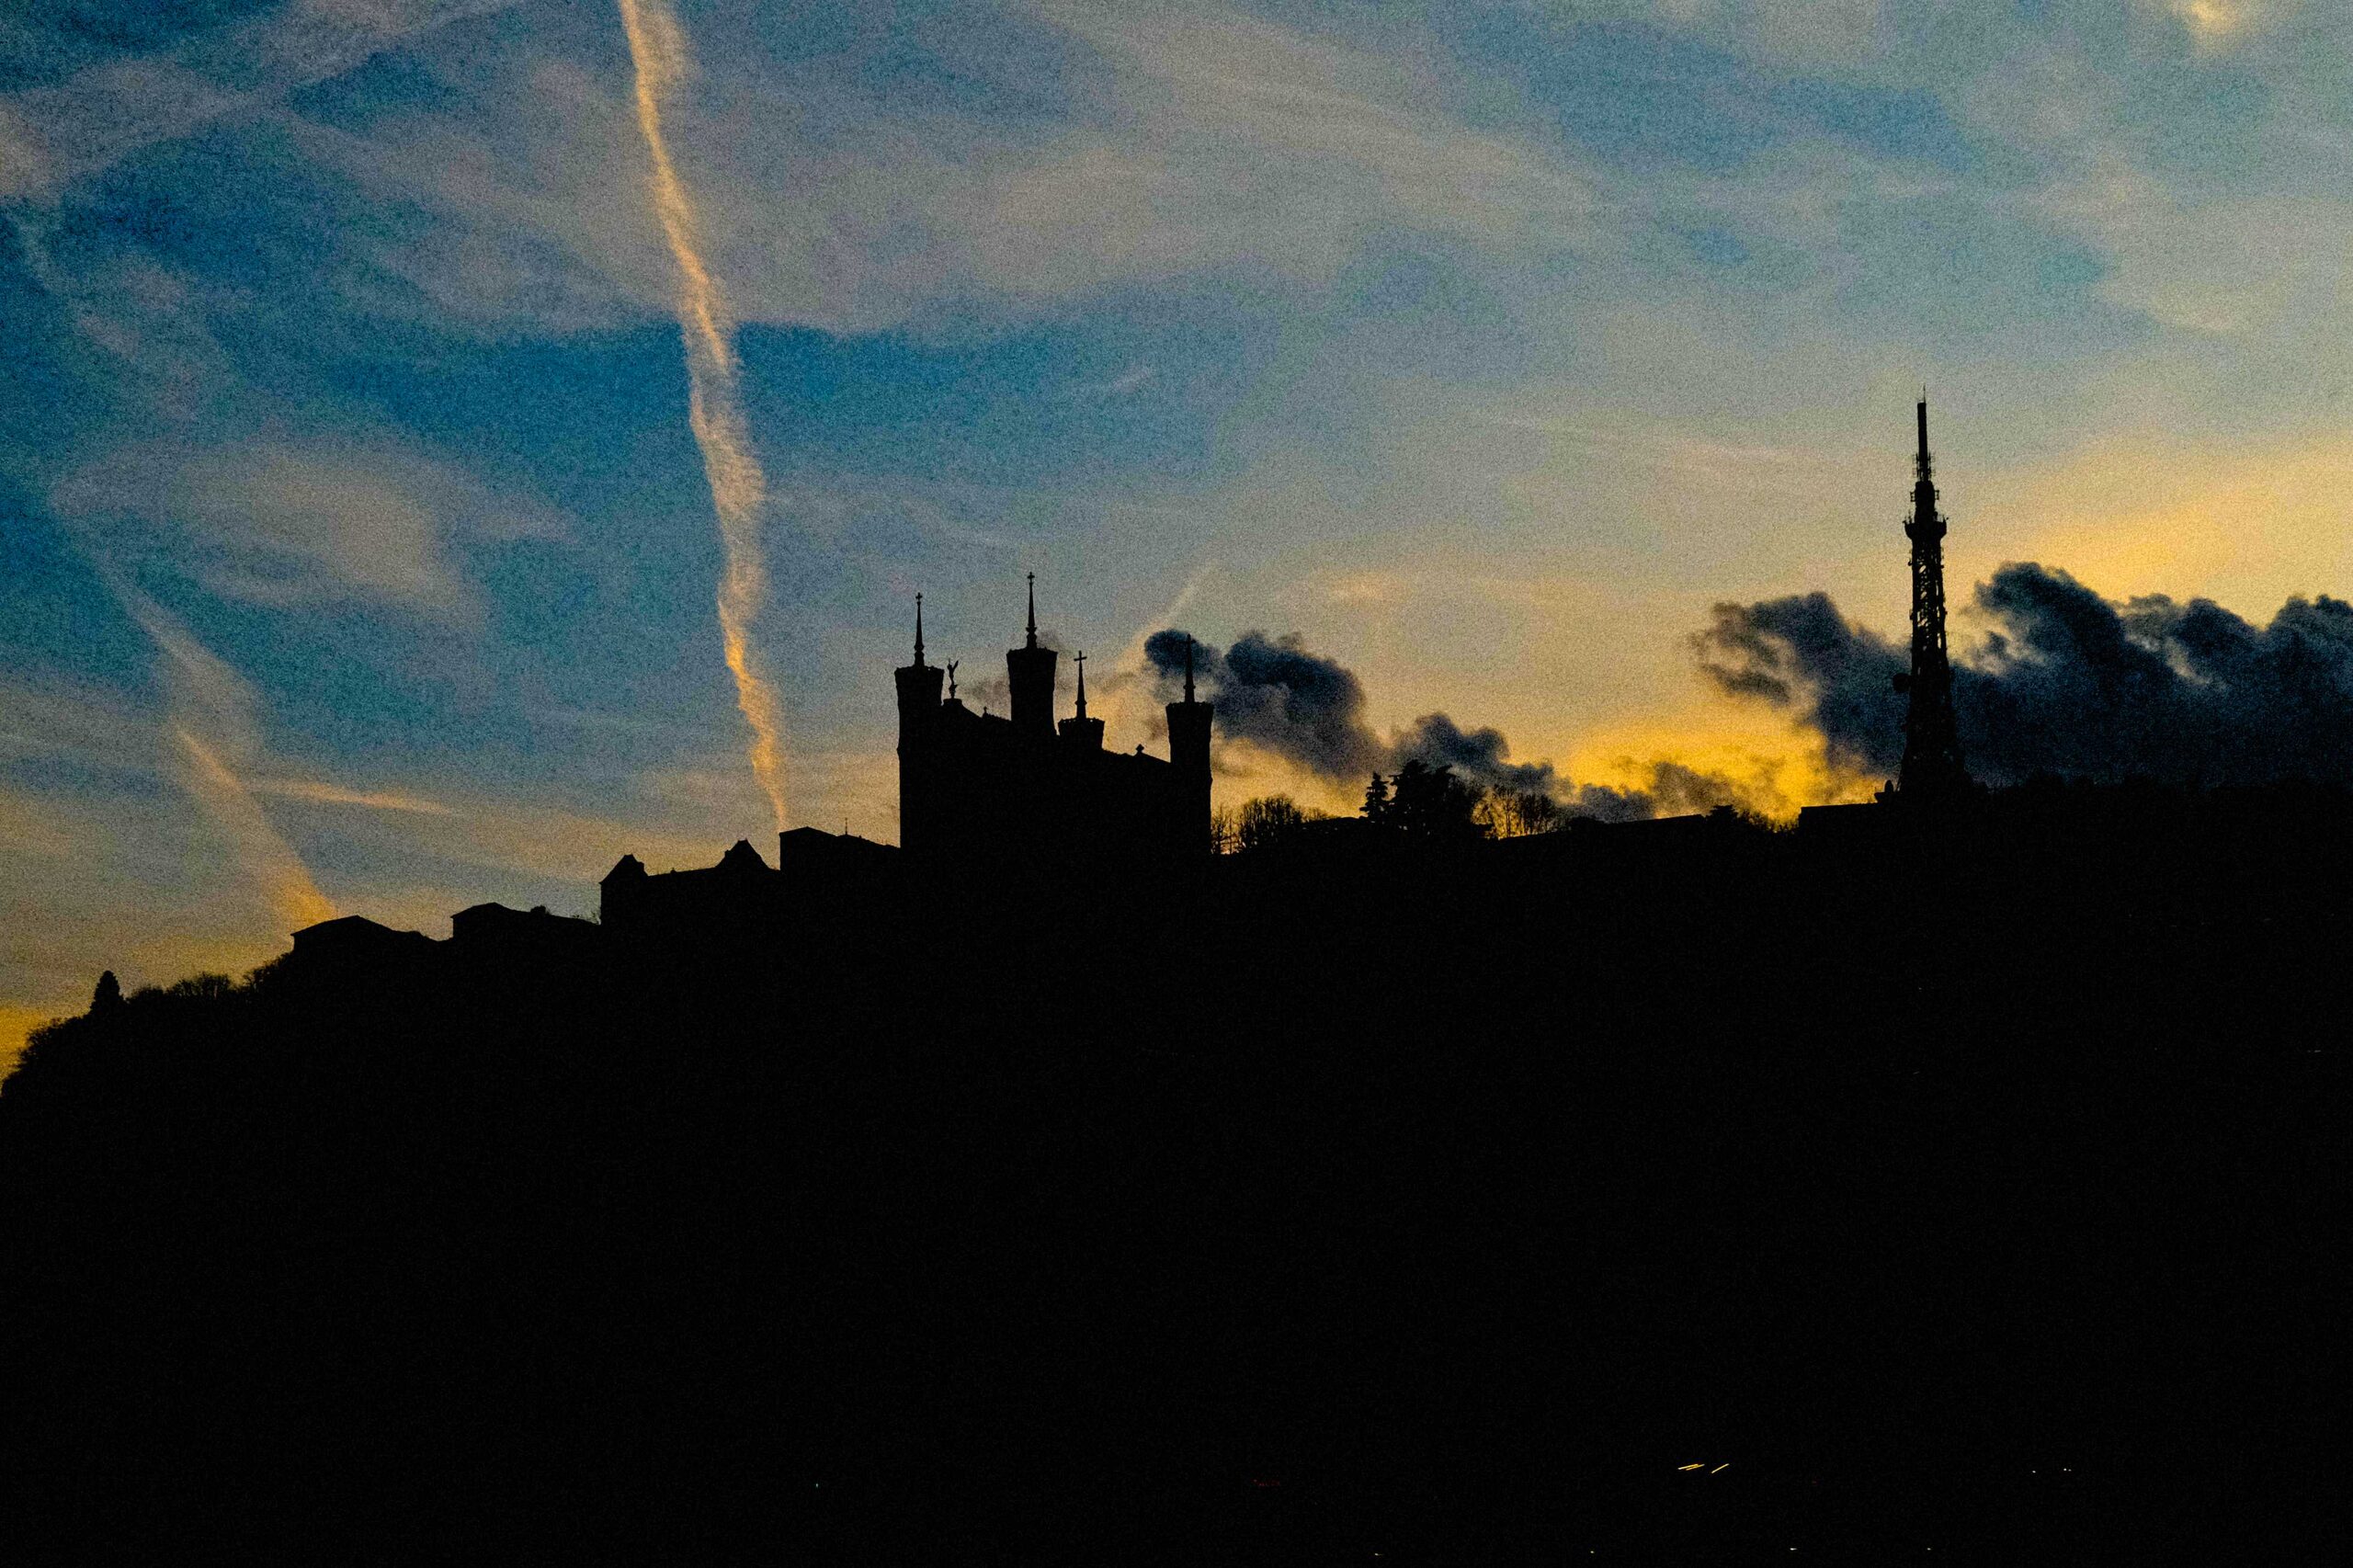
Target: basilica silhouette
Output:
[(1019, 788), (1008, 794)]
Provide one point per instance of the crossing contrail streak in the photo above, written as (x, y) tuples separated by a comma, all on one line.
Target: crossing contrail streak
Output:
[(277, 871), (212, 728), (714, 406)]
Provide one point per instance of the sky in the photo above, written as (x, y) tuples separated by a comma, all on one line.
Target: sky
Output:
[(447, 444)]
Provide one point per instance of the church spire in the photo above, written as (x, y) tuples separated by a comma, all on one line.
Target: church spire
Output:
[(1030, 672), (918, 631), (1081, 661)]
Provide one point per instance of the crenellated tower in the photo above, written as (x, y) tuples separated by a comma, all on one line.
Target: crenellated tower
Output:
[(1030, 671), (1932, 766), (1189, 753)]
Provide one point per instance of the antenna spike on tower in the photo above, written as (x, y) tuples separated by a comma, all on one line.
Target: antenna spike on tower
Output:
[(1033, 609), (918, 631)]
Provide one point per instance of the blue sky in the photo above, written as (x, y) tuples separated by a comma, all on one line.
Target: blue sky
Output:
[(360, 554)]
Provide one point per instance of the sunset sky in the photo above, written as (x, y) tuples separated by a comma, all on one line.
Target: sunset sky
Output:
[(361, 555)]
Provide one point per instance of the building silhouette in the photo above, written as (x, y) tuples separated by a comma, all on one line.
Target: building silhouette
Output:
[(1018, 789), (814, 870), (1005, 792)]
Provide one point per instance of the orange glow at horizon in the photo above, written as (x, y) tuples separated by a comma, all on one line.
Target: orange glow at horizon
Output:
[(738, 487)]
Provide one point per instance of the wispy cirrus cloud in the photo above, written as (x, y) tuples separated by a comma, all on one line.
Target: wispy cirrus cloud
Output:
[(1197, 140), (54, 135), (288, 522)]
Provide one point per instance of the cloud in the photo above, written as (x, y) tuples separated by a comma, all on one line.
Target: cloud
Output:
[(297, 522), (1815, 33), (1272, 693), (319, 792), (1798, 652), (2223, 265), (1190, 140), (1279, 697), (1134, 379), (1669, 788), (1480, 756), (60, 133), (2069, 683), (2215, 23), (1240, 139)]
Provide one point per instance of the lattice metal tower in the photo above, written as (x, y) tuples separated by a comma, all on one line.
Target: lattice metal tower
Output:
[(1932, 768)]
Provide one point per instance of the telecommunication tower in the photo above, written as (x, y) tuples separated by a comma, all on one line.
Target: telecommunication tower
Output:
[(1932, 768)]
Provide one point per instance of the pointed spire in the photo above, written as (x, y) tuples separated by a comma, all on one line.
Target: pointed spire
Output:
[(1082, 686), (1033, 611), (918, 631), (1923, 459), (1188, 667)]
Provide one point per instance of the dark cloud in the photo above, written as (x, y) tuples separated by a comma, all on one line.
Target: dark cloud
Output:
[(1277, 695), (1273, 693), (1673, 789), (2070, 683), (1800, 653), (1480, 756), (1603, 803)]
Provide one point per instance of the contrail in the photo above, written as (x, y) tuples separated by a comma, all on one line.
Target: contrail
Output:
[(284, 881), (212, 727), (1128, 664), (714, 408)]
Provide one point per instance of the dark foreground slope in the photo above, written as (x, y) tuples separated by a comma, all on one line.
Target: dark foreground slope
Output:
[(1969, 1192)]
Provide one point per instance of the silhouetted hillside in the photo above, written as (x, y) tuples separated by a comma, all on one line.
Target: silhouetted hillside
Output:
[(1958, 1185)]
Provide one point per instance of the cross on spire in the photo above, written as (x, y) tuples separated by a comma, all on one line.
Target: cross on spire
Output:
[(1081, 685), (918, 631)]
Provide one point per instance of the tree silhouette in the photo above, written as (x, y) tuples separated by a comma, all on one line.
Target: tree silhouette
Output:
[(1223, 822), (1431, 803), (1268, 821), (1515, 813)]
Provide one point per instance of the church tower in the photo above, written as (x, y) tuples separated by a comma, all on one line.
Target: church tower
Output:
[(918, 737), (1932, 768), (1030, 671), (1079, 732), (1188, 753)]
